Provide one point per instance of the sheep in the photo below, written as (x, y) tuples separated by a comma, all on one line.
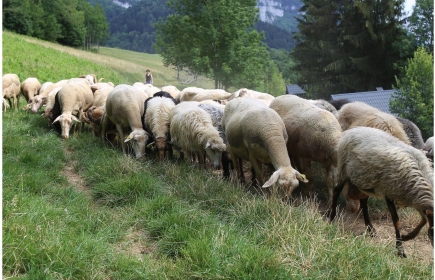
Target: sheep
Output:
[(192, 131), (38, 101), (172, 90), (94, 114), (313, 135), (214, 103), (257, 133), (5, 104), (51, 113), (30, 87), (11, 90), (374, 163), (44, 87), (124, 108), (361, 114), (339, 103), (91, 78), (325, 105), (74, 98), (156, 121), (428, 147), (413, 132), (150, 90), (244, 92), (199, 94), (216, 115)]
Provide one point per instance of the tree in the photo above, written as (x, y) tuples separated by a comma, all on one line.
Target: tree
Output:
[(347, 46), (421, 24), (414, 95), (214, 38)]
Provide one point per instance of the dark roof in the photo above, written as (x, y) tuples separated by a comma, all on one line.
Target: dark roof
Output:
[(294, 89), (379, 99)]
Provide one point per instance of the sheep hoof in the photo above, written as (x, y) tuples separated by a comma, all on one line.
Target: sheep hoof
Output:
[(401, 253)]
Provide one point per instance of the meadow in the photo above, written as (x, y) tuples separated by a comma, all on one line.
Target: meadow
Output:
[(80, 209)]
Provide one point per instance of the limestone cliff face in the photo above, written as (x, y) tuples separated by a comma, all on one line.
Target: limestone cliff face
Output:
[(270, 10)]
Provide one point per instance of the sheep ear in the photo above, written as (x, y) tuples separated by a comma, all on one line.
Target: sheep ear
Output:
[(57, 119), (272, 179), (75, 119), (301, 177), (129, 137)]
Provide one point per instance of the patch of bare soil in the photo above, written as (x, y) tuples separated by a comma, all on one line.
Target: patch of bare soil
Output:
[(74, 178), (136, 244)]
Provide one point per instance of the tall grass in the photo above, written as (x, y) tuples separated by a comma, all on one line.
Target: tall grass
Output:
[(79, 209)]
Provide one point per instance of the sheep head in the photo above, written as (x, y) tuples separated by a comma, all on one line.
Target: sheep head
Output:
[(287, 178), (36, 103), (139, 139), (214, 150), (66, 121)]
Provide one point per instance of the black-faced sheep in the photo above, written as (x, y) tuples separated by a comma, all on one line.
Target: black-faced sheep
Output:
[(374, 163), (74, 98), (192, 131), (156, 121), (257, 133), (30, 87), (11, 90), (313, 135), (361, 114), (124, 108)]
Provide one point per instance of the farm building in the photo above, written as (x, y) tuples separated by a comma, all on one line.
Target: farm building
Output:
[(379, 98)]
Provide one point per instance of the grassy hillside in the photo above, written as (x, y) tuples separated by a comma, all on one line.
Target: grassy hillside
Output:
[(79, 209)]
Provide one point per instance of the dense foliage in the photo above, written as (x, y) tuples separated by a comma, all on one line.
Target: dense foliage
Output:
[(414, 96), (69, 22), (215, 38), (348, 46), (421, 24)]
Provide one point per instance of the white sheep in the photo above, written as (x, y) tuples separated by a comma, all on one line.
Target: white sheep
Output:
[(30, 87), (41, 99), (374, 163), (44, 87), (11, 90), (257, 133), (49, 113), (156, 121), (150, 90), (172, 90), (192, 131), (124, 108), (325, 105), (199, 94), (73, 98), (361, 114), (313, 135), (428, 147)]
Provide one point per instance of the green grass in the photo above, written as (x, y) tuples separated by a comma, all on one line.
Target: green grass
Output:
[(79, 209)]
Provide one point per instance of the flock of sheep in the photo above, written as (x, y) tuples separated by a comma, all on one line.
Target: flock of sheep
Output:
[(364, 151)]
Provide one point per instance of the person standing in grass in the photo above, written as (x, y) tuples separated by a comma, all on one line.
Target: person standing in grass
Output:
[(148, 77)]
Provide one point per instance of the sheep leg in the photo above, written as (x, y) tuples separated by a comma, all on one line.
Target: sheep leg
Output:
[(335, 195), (396, 224), (121, 137), (413, 234), (225, 165), (307, 171), (367, 220), (329, 181), (256, 164)]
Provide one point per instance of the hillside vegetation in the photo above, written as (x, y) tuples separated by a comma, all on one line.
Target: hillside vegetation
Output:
[(79, 209)]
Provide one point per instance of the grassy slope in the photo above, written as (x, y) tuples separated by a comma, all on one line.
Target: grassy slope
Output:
[(79, 209)]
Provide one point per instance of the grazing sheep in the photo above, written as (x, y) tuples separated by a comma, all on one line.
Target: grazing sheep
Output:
[(44, 86), (216, 115), (91, 78), (172, 90), (124, 108), (374, 163), (192, 131), (11, 90), (413, 132), (156, 121), (339, 103), (257, 133), (313, 135), (50, 112), (41, 99), (244, 92), (199, 94), (30, 87), (361, 114), (150, 90), (74, 98), (94, 115)]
